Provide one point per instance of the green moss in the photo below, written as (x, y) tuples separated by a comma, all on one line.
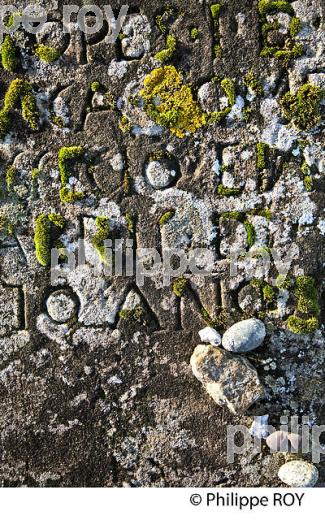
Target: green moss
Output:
[(283, 282), (179, 287), (65, 156), (58, 121), (8, 54), (194, 33), (251, 82), (42, 236), (57, 220), (269, 6), (176, 109), (301, 326), (305, 320), (95, 86), (136, 314), (167, 53), (19, 91), (125, 125), (268, 293), (67, 196), (295, 26), (227, 192), (308, 183), (234, 215), (130, 222), (160, 24), (217, 50), (293, 51), (261, 151), (215, 11), (217, 117), (303, 108), (10, 177), (122, 36), (266, 213), (35, 173), (46, 53), (229, 89), (102, 234), (251, 233), (166, 217)]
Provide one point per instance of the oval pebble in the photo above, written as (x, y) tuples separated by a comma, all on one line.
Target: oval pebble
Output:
[(244, 336), (298, 473)]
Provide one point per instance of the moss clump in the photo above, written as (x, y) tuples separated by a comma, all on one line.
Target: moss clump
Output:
[(10, 177), (46, 53), (301, 326), (102, 234), (125, 125), (251, 82), (175, 108), (305, 320), (295, 26), (35, 173), (130, 222), (268, 293), (261, 151), (160, 24), (42, 236), (19, 91), (65, 156), (229, 89), (8, 54), (251, 233), (268, 6), (308, 183), (234, 215), (136, 314), (68, 197), (303, 108), (166, 217), (179, 286), (95, 86), (194, 33), (215, 11), (167, 53), (223, 191)]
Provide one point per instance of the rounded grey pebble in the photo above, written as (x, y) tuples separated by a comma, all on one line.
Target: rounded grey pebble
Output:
[(298, 473), (244, 336)]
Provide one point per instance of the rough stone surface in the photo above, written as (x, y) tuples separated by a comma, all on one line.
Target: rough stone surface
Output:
[(108, 398), (230, 381), (244, 336)]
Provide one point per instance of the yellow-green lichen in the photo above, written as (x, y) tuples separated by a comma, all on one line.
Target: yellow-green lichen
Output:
[(170, 103), (103, 230), (8, 54), (19, 91), (179, 287), (295, 26), (167, 53), (125, 125), (166, 217), (303, 108), (229, 89), (95, 86), (130, 222), (46, 54)]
